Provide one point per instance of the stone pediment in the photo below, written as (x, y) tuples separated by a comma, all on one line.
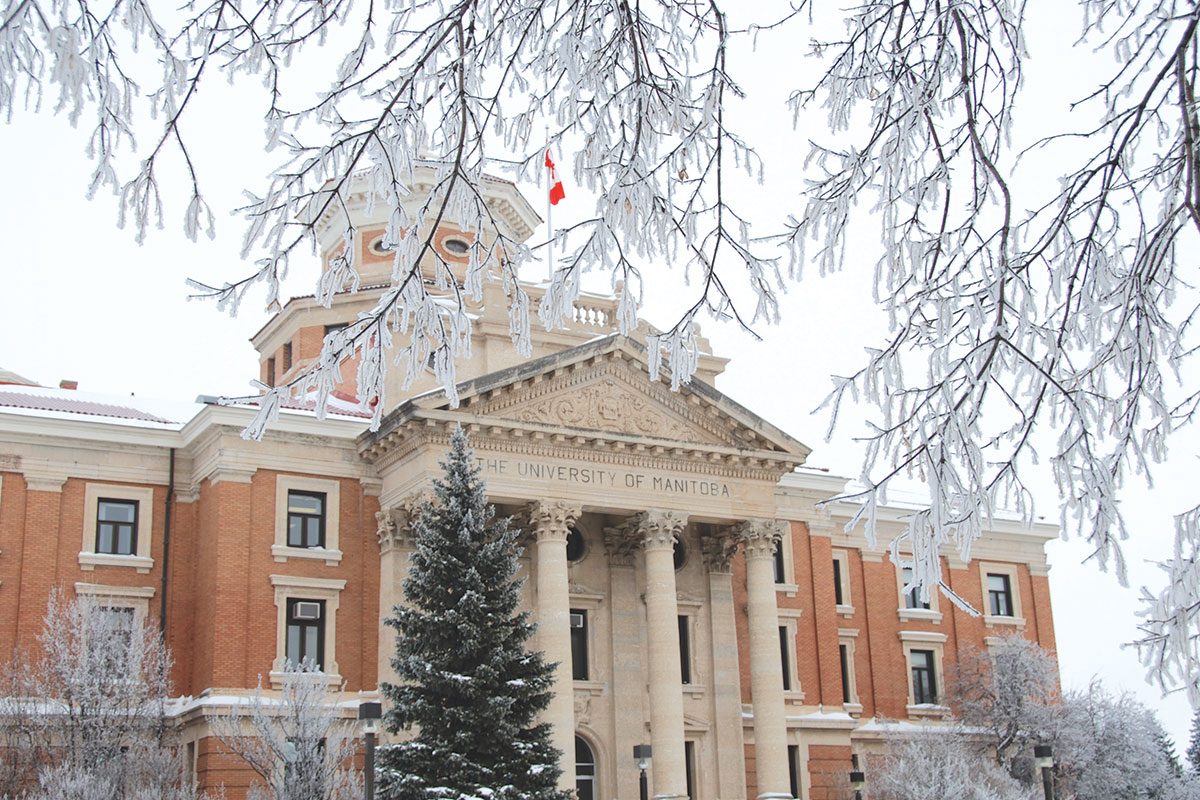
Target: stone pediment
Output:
[(609, 397), (598, 396)]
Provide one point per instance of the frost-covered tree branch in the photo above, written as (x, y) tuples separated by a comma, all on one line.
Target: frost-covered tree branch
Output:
[(296, 741), (1018, 309)]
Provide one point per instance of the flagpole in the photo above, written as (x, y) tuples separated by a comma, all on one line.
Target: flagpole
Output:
[(549, 215)]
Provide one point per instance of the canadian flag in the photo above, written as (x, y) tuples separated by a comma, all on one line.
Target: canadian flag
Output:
[(556, 188)]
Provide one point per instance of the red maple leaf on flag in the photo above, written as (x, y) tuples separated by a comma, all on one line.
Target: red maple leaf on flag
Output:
[(556, 188)]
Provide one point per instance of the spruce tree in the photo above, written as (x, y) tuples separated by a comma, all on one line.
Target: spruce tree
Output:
[(1193, 749), (470, 687)]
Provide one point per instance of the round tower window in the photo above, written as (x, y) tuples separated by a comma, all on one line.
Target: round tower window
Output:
[(378, 248), (456, 246), (576, 549)]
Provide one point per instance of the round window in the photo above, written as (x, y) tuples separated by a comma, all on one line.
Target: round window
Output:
[(575, 546), (377, 247), (680, 554), (458, 247)]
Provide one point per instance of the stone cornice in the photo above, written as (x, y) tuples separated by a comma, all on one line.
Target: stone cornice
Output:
[(499, 435)]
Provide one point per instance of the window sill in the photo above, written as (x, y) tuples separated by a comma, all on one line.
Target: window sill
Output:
[(694, 690), (845, 610), (793, 697), (788, 589), (928, 710), (588, 687), (853, 709), (909, 614), (331, 681), (89, 561), (282, 553), (990, 621)]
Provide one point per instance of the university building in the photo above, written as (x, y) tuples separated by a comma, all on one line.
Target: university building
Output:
[(694, 591)]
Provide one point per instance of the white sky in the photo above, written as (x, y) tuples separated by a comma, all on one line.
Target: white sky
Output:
[(81, 301)]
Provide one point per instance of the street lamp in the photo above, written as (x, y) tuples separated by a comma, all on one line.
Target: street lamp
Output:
[(857, 781), (369, 715), (1043, 759), (641, 754)]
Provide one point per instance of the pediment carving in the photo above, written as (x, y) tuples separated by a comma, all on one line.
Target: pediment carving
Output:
[(607, 400)]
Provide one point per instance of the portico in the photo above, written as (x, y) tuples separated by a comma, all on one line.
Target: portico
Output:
[(662, 490)]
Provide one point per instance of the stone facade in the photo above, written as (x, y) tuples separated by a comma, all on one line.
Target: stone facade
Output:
[(694, 593)]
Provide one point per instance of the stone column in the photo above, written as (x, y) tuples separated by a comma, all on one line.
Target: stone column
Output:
[(659, 531), (551, 522), (718, 549), (761, 537)]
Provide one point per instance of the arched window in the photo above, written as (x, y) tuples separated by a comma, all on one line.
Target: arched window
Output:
[(585, 770)]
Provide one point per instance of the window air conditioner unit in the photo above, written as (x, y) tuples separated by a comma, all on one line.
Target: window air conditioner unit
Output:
[(306, 611), (577, 620)]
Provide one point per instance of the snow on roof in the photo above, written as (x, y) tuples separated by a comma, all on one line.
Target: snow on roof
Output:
[(8, 376), (43, 401)]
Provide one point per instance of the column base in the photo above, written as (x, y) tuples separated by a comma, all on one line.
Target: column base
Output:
[(775, 796), (670, 797)]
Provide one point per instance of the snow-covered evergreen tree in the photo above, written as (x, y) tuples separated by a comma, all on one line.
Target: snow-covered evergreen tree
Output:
[(1192, 754), (471, 688)]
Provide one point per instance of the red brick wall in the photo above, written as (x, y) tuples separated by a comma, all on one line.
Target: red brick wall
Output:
[(829, 771)]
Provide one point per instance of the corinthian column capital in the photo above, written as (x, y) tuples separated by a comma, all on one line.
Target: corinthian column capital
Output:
[(552, 519), (760, 536), (659, 529)]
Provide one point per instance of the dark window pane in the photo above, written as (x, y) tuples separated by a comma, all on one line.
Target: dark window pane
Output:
[(784, 660), (680, 554), (585, 771), (844, 655), (685, 650), (780, 574), (910, 597), (689, 762), (838, 596), (579, 645), (794, 769), (575, 545), (1000, 595), (924, 683)]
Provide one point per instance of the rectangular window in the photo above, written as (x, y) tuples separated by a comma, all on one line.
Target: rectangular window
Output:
[(114, 626), (783, 656), (780, 574), (116, 527), (924, 681), (911, 597), (305, 632), (685, 650), (287, 356), (306, 519), (270, 371), (794, 768), (579, 645), (999, 595), (844, 655), (839, 596), (689, 766)]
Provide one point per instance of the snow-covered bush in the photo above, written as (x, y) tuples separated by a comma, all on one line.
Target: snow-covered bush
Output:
[(298, 742)]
